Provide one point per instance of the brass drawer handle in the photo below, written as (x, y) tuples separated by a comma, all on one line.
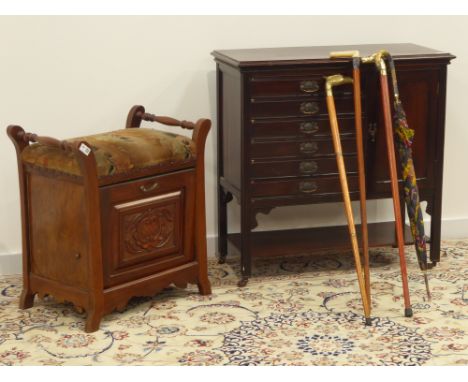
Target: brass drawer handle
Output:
[(308, 147), (310, 127), (309, 86), (309, 108), (308, 187), (309, 167), (145, 188)]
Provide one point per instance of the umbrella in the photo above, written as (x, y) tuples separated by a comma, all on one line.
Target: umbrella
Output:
[(404, 136)]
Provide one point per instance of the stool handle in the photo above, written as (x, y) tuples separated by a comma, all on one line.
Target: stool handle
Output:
[(166, 120), (48, 141)]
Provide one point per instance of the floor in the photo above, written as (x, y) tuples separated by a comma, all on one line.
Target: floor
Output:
[(294, 311)]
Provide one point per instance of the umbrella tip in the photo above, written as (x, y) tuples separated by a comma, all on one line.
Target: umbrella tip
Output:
[(428, 291)]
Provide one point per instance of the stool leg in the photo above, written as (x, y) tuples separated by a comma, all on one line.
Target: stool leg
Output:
[(15, 133), (93, 320), (200, 132), (26, 299)]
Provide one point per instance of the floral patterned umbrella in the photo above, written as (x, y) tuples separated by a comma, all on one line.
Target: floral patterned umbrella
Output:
[(404, 136)]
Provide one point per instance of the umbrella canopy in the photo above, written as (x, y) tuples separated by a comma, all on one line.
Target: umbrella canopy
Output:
[(404, 139)]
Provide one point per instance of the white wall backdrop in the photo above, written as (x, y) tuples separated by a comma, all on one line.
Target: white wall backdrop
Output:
[(72, 76)]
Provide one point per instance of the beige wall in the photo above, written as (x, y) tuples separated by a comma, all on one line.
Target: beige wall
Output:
[(70, 76)]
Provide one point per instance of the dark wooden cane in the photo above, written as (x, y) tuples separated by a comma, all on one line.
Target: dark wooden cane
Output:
[(393, 178)]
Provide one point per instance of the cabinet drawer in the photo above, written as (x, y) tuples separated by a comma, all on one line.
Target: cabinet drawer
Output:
[(312, 84), (300, 148), (280, 86), (303, 186), (303, 127), (147, 226), (297, 108), (305, 167)]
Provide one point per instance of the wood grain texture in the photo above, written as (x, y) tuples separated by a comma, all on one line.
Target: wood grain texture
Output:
[(394, 186), (97, 244), (302, 56), (261, 129), (347, 204)]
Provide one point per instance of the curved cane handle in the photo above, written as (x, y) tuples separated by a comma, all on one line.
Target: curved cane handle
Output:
[(336, 80), (344, 54)]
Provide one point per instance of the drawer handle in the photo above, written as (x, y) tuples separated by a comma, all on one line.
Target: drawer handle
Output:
[(145, 188), (308, 167), (308, 187), (308, 147), (309, 127), (309, 86), (309, 108)]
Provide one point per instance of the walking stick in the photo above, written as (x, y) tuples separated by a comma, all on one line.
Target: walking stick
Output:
[(330, 82), (380, 64), (360, 156)]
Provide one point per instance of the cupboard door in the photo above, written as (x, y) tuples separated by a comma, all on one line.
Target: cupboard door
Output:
[(147, 226)]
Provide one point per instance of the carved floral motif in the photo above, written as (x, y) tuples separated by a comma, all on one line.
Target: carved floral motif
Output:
[(149, 230)]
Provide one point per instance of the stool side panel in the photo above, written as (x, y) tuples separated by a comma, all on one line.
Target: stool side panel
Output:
[(57, 230)]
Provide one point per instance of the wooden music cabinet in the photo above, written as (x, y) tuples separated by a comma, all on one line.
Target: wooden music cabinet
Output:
[(275, 148)]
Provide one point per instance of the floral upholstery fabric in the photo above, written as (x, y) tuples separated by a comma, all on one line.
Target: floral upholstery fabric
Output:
[(116, 152)]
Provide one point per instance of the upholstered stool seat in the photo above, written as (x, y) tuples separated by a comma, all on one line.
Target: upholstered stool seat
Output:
[(117, 152), (111, 216)]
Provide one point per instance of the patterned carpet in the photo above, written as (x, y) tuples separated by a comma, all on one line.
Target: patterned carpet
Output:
[(295, 311)]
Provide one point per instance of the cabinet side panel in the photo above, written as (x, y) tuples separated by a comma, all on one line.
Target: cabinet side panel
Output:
[(232, 125), (418, 89)]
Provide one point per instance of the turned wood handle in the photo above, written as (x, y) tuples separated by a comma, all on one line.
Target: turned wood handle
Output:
[(166, 120), (48, 141)]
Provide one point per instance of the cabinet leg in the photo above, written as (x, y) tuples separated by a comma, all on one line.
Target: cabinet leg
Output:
[(26, 299), (436, 217), (246, 259), (224, 198)]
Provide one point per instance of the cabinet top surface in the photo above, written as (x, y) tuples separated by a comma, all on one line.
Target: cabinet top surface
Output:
[(304, 55)]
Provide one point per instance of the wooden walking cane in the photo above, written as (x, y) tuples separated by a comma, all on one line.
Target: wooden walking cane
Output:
[(378, 59), (331, 81), (360, 157)]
